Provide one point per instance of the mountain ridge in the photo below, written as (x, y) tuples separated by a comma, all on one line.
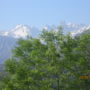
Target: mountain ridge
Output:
[(9, 38)]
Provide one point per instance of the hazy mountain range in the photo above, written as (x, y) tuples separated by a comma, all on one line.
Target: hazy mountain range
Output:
[(8, 38)]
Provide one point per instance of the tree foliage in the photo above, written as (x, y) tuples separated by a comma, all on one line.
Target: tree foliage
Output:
[(54, 61)]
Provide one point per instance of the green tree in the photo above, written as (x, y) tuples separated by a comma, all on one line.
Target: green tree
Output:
[(54, 61)]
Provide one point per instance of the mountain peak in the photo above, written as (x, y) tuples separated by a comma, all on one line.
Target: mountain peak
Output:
[(81, 30), (20, 31)]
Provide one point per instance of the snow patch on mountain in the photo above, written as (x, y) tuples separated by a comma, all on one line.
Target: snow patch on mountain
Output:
[(81, 30), (20, 31)]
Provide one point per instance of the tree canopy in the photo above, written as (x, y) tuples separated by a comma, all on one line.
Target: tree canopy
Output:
[(53, 61)]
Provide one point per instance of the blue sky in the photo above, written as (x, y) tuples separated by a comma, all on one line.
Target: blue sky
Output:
[(43, 12)]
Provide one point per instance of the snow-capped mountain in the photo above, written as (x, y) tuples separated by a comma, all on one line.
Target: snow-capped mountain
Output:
[(20, 31), (81, 30), (8, 38), (70, 27)]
